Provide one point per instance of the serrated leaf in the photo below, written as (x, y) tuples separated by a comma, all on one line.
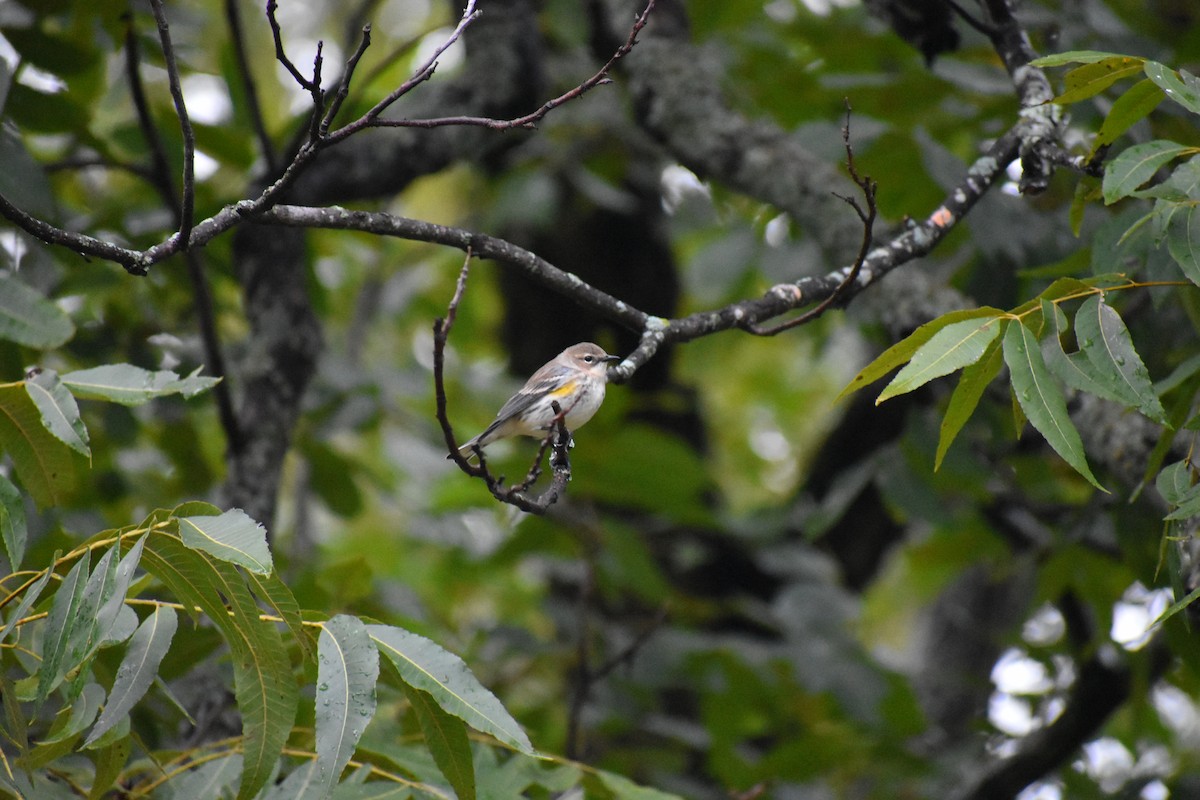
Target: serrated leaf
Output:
[(103, 605), (130, 385), (27, 600), (77, 716), (963, 402), (138, 668), (1183, 240), (29, 319), (952, 348), (619, 787), (1176, 483), (446, 738), (1041, 400), (347, 669), (300, 784), (424, 665), (13, 531), (63, 614), (1072, 369), (1106, 342), (99, 588), (1127, 110), (1176, 89), (275, 593), (263, 684), (1094, 77), (109, 763), (43, 463), (1135, 165), (58, 409), (232, 536), (902, 352), (209, 780), (1075, 57)]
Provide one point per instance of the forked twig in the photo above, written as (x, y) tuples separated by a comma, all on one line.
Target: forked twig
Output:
[(869, 188), (557, 440)]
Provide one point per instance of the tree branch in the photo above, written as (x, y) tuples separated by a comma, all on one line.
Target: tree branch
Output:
[(913, 243), (188, 203), (233, 19), (557, 439)]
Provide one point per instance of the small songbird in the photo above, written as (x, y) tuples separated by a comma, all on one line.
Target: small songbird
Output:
[(575, 378)]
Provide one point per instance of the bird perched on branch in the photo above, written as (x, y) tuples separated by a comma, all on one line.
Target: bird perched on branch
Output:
[(575, 378)]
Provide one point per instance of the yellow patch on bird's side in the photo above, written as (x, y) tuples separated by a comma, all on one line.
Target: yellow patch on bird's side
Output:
[(563, 390)]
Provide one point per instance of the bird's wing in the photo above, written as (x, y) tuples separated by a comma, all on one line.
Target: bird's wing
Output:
[(538, 386)]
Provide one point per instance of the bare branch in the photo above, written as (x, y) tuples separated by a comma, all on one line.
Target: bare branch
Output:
[(281, 54), (134, 262), (558, 438), (913, 243), (868, 188), (530, 120), (188, 204), (343, 89), (422, 74), (233, 19)]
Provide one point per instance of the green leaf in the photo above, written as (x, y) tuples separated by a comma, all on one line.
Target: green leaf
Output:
[(1094, 77), (131, 386), (1127, 110), (31, 595), (1176, 483), (601, 784), (446, 738), (29, 319), (277, 595), (1136, 165), (232, 536), (1183, 240), (952, 348), (74, 718), (1176, 89), (263, 684), (1040, 399), (1075, 57), (208, 781), (109, 762), (42, 461), (347, 669), (60, 414), (902, 352), (138, 668), (424, 665), (963, 402), (1106, 342), (102, 606), (57, 634), (12, 523)]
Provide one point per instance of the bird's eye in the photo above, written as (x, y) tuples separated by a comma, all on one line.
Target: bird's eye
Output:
[(589, 359)]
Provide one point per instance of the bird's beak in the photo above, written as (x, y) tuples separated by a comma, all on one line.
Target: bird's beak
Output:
[(612, 359)]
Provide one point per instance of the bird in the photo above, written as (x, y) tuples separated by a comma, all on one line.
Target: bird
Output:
[(575, 378)]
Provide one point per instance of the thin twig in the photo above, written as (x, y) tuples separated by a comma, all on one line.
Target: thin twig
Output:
[(530, 120), (343, 90), (558, 438), (422, 74), (281, 55), (868, 188), (160, 169), (188, 204), (160, 173), (233, 19)]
